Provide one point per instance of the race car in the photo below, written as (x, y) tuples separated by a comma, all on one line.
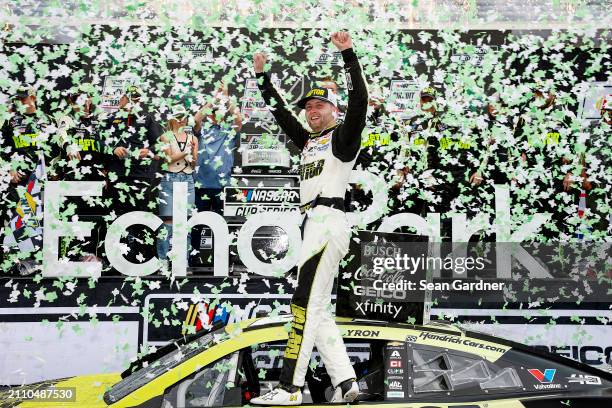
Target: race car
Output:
[(436, 365)]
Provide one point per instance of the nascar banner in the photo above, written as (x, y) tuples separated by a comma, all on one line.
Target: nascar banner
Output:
[(243, 202)]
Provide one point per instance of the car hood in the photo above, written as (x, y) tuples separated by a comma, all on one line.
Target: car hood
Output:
[(88, 392)]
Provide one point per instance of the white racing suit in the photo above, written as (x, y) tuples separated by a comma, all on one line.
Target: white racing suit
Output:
[(327, 160)]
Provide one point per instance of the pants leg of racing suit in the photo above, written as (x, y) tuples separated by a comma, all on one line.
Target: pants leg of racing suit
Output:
[(326, 241)]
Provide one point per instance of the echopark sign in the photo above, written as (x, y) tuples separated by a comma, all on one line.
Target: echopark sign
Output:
[(290, 222)]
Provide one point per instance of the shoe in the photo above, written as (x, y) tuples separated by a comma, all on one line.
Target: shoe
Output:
[(347, 391), (281, 395)]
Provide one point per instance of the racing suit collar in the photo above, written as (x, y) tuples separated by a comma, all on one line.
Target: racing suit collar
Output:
[(323, 132)]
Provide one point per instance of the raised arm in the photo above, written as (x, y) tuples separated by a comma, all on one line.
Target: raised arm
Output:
[(347, 140), (280, 109)]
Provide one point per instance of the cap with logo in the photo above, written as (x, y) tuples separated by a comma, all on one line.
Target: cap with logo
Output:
[(178, 112), (320, 93), (23, 92), (132, 91), (429, 91)]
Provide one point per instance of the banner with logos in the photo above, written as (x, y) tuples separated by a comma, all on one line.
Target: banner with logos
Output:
[(45, 334)]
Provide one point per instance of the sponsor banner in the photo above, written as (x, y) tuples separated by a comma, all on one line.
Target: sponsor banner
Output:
[(578, 334), (545, 378), (592, 97), (264, 150), (396, 383), (403, 98), (334, 58), (183, 52), (476, 57), (359, 294), (156, 311), (112, 91), (242, 202), (253, 106)]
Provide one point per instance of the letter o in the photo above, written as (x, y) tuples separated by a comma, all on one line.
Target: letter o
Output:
[(289, 222)]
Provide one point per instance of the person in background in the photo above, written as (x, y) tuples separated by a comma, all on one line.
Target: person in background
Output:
[(376, 148), (596, 174), (132, 135), (545, 142), (180, 151), (84, 158), (26, 136), (329, 83), (218, 123)]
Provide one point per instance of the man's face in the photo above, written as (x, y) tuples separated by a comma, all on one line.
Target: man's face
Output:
[(492, 109), (319, 114), (123, 101), (82, 103), (177, 123), (543, 99), (427, 103), (29, 103), (127, 103)]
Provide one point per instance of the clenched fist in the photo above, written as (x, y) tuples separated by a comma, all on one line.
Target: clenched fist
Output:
[(342, 40), (259, 60)]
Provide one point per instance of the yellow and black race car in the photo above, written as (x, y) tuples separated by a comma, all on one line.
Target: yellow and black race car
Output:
[(437, 365)]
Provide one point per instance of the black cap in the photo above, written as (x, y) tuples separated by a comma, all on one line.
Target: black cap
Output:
[(132, 91), (429, 91), (323, 94), (23, 92)]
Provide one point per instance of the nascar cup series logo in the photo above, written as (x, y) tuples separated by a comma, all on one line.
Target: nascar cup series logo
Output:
[(247, 201)]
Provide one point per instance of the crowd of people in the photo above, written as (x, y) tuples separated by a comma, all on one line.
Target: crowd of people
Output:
[(137, 157), (431, 163), (540, 149)]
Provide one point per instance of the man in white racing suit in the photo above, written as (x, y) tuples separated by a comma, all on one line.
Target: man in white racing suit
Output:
[(329, 152)]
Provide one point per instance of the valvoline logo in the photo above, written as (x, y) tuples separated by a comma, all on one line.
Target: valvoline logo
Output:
[(544, 377)]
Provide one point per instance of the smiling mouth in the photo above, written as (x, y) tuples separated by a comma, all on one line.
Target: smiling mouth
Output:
[(315, 117)]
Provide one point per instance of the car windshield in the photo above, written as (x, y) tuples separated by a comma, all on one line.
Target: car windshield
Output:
[(158, 367)]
